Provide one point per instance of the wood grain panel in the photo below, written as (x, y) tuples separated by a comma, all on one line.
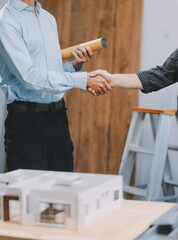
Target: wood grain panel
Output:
[(94, 112), (61, 10), (99, 125), (126, 60)]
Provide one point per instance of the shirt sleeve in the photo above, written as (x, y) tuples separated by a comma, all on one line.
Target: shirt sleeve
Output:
[(68, 67), (15, 54), (160, 76)]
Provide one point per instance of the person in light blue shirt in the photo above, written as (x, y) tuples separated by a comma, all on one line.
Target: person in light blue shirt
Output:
[(34, 80)]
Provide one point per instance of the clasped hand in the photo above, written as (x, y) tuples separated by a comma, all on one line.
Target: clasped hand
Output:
[(99, 82)]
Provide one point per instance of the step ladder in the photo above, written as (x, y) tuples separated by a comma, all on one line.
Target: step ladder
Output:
[(160, 174)]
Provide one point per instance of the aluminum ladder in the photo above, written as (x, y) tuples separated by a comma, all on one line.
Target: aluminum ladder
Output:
[(160, 174)]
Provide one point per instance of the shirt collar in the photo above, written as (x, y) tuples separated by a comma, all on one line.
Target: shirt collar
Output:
[(37, 6), (20, 6)]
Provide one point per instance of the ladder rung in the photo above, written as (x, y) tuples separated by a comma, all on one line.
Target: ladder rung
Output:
[(173, 147), (139, 149), (171, 182), (135, 190)]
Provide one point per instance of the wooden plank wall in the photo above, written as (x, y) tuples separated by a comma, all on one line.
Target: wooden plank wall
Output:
[(99, 125)]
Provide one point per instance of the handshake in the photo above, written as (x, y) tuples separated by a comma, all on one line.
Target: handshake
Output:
[(99, 82)]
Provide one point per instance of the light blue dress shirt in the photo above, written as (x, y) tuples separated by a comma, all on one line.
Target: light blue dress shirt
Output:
[(31, 67)]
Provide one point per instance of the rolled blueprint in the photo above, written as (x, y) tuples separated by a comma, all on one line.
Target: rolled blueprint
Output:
[(94, 45)]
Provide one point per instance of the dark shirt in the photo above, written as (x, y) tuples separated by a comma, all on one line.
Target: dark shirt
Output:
[(160, 76)]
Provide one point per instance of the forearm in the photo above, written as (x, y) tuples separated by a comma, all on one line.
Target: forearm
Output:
[(153, 79), (160, 77), (127, 81)]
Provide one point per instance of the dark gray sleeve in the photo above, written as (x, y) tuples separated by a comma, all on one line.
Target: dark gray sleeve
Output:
[(160, 76)]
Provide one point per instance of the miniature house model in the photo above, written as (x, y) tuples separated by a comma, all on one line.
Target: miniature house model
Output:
[(59, 199)]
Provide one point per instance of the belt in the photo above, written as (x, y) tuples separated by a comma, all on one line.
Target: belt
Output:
[(21, 106)]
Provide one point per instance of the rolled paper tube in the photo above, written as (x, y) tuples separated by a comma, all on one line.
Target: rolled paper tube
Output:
[(94, 45)]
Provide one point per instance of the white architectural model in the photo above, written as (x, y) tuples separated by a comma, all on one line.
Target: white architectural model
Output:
[(60, 199)]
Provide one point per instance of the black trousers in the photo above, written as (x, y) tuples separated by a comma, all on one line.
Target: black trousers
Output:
[(38, 140)]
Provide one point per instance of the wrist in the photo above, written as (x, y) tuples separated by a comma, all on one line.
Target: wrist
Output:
[(112, 81), (76, 65), (88, 80)]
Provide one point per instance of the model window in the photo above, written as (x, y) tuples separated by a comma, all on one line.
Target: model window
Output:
[(116, 195), (53, 213), (11, 206)]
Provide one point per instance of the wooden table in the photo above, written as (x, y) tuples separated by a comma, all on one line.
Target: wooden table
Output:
[(125, 224)]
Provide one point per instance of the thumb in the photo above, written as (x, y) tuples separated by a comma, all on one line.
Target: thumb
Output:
[(95, 73)]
